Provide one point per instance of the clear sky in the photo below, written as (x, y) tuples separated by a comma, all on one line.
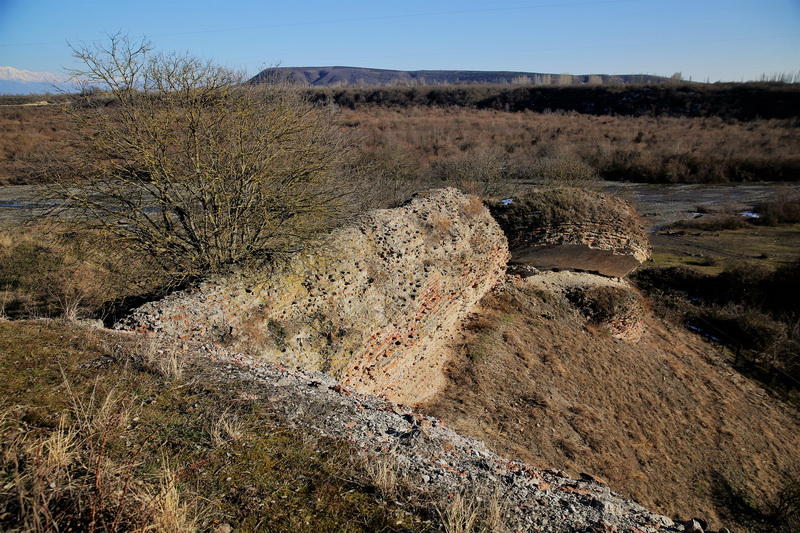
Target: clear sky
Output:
[(714, 39)]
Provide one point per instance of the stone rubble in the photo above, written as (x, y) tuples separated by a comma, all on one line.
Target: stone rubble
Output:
[(430, 454)]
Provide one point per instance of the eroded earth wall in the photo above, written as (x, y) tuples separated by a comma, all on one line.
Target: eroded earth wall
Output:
[(373, 305)]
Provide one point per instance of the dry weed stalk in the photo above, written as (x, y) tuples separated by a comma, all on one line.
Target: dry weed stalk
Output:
[(152, 354), (460, 515), (168, 512), (227, 428), (384, 476), (473, 512)]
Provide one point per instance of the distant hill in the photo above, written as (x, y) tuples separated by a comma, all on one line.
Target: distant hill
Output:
[(20, 81), (370, 77)]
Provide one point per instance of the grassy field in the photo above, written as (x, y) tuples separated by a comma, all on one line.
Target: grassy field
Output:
[(97, 434), (495, 145), (712, 251), (405, 147)]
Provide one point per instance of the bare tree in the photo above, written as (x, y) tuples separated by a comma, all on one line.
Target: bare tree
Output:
[(188, 164)]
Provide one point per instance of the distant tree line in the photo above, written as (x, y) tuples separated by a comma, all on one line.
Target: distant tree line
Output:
[(740, 101)]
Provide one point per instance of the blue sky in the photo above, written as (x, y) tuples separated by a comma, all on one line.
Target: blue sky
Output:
[(714, 39)]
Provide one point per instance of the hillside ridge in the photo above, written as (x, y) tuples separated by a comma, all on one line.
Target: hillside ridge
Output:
[(345, 76)]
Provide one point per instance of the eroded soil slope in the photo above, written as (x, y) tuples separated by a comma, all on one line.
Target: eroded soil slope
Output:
[(663, 420)]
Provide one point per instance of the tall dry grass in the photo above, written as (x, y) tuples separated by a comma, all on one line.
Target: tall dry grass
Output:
[(68, 478), (441, 144), (62, 271)]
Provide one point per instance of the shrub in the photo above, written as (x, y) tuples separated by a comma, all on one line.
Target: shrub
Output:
[(562, 170), (192, 168), (785, 508), (781, 209), (751, 309), (712, 223), (479, 174)]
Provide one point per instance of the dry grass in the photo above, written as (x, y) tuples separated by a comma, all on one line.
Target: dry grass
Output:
[(170, 512), (460, 515), (29, 136), (441, 223), (485, 146), (473, 513), (663, 420), (66, 476), (60, 270), (384, 476), (164, 361), (225, 429), (91, 442)]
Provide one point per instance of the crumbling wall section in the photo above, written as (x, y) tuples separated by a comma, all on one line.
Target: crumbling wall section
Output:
[(573, 229), (374, 304)]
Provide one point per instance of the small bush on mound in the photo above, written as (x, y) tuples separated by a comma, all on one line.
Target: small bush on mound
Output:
[(603, 304), (670, 279)]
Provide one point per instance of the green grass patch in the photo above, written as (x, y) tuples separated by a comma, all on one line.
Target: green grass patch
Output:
[(712, 251)]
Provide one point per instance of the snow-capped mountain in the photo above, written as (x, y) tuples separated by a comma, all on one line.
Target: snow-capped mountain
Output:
[(20, 81)]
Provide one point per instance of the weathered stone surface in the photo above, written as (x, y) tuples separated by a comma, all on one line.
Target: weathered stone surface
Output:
[(373, 305), (573, 229)]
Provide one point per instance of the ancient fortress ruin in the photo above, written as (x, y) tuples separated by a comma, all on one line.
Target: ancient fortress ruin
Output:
[(376, 303), (372, 305), (573, 229)]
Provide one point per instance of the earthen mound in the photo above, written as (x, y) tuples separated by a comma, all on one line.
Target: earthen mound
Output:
[(573, 229), (608, 304), (619, 310)]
